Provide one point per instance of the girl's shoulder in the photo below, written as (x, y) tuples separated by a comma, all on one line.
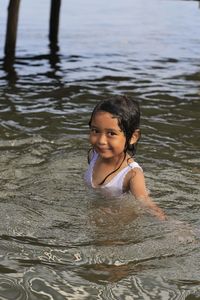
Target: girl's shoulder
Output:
[(134, 165), (133, 170)]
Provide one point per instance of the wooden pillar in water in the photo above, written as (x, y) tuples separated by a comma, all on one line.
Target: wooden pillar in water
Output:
[(54, 24), (11, 33)]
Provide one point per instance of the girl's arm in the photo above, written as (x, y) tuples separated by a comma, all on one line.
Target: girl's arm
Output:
[(138, 189)]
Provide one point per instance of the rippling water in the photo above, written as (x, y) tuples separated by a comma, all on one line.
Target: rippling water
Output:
[(58, 239)]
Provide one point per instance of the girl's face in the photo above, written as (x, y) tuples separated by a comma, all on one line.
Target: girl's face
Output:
[(106, 136)]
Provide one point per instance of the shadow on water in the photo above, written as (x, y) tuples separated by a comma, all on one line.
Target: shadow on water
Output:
[(8, 65), (11, 74)]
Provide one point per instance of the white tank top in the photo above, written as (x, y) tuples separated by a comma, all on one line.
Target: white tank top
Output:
[(113, 188)]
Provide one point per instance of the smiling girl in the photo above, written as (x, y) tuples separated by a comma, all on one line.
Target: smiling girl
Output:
[(114, 133)]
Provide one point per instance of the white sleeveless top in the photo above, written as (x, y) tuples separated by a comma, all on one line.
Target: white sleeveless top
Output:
[(114, 188)]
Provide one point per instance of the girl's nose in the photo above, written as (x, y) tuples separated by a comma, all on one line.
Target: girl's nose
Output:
[(102, 139)]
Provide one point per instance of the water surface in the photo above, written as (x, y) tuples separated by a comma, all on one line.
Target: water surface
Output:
[(60, 240)]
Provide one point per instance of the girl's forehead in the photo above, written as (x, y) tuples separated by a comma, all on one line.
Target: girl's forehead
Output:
[(104, 115), (104, 118)]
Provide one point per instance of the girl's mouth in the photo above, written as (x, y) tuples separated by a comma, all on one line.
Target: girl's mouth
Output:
[(102, 149)]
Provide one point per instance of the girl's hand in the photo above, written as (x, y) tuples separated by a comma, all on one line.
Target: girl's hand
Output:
[(153, 208)]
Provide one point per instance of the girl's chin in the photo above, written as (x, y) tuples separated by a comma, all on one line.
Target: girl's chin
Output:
[(105, 154)]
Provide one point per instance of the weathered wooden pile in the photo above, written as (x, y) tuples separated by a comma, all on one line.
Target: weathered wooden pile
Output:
[(12, 22)]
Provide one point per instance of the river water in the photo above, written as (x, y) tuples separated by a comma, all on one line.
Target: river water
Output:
[(60, 240)]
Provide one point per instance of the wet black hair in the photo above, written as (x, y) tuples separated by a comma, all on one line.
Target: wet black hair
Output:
[(127, 111)]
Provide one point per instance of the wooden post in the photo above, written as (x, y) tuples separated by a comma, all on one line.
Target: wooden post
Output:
[(11, 34), (54, 24)]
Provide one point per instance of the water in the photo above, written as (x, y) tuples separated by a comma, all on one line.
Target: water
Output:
[(60, 240)]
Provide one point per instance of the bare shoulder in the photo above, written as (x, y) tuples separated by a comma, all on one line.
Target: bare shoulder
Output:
[(137, 183), (134, 177), (136, 172)]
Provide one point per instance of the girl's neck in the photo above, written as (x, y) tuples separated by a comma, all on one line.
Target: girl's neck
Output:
[(115, 167)]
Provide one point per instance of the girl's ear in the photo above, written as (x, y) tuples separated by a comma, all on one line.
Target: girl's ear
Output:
[(135, 137)]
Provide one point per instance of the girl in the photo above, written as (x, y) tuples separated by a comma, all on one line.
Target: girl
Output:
[(114, 133)]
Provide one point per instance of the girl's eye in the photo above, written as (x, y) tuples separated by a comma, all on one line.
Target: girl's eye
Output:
[(111, 133), (93, 130)]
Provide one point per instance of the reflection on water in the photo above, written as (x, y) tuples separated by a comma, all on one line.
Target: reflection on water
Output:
[(60, 240)]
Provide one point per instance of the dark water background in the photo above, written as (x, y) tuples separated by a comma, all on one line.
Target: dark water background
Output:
[(57, 239)]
